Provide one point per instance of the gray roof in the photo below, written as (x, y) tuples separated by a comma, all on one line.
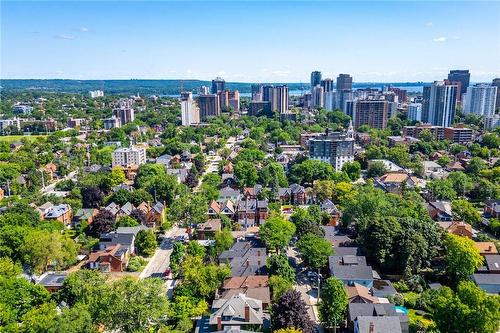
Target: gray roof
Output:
[(113, 238), (347, 250), (125, 187), (127, 208), (131, 230), (229, 192), (164, 159), (383, 288), (371, 309), (366, 324), (52, 279), (232, 311), (493, 279), (350, 272), (245, 258), (158, 207), (57, 211), (493, 262), (112, 208)]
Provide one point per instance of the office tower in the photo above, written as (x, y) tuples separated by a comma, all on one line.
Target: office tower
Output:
[(204, 90), (209, 106), (327, 85), (373, 113), (401, 93), (392, 109), (330, 100), (126, 157), (186, 95), (350, 108), (258, 108), (125, 113), (280, 99), (96, 93), (342, 97), (462, 76), (223, 100), (344, 82), (317, 96), (234, 100), (333, 147), (267, 93), (439, 103), (112, 122), (496, 83), (315, 78), (306, 100), (415, 112), (190, 113), (218, 85), (480, 99), (256, 92)]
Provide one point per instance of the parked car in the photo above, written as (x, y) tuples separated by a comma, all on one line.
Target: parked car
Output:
[(167, 274)]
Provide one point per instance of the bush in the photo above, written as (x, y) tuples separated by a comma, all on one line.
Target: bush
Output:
[(136, 264)]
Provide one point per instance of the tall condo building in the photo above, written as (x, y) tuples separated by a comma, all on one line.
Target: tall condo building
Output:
[(96, 93), (277, 96), (327, 85), (480, 99), (125, 114), (315, 78), (462, 76), (126, 157), (373, 113), (439, 103), (344, 82), (234, 100), (219, 84), (415, 111), (256, 92), (190, 113), (496, 83), (317, 93), (209, 106), (335, 148)]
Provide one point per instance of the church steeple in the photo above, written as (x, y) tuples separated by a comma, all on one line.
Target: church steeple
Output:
[(350, 131)]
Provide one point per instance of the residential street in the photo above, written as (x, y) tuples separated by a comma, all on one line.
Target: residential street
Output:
[(161, 259), (51, 187)]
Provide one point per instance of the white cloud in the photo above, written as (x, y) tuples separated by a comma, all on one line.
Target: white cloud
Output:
[(439, 40), (429, 24), (84, 29), (64, 36)]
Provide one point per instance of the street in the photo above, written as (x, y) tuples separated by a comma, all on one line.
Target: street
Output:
[(51, 187), (161, 259)]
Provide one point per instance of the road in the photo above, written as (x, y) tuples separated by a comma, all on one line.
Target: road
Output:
[(52, 186), (303, 285), (161, 259)]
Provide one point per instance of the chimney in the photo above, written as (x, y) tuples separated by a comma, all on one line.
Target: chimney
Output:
[(247, 313), (219, 324), (258, 253), (247, 263), (371, 329), (489, 248)]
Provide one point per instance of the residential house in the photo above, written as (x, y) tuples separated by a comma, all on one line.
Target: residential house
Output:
[(228, 208), (229, 193), (84, 215), (440, 210), (486, 248), (373, 311), (125, 210), (144, 207), (458, 228), (284, 160), (357, 293), (237, 310), (245, 258), (383, 289), (156, 215), (375, 324), (488, 282), (256, 287), (394, 182), (329, 207), (434, 170), (44, 209), (208, 229), (294, 194), (228, 180), (113, 258), (62, 213), (454, 166), (228, 168), (180, 174), (350, 268), (164, 160), (334, 237), (113, 208), (492, 208), (213, 209), (252, 212), (124, 187), (52, 281), (252, 192), (112, 238)]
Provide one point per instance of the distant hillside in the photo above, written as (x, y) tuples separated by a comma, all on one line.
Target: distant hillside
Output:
[(143, 87)]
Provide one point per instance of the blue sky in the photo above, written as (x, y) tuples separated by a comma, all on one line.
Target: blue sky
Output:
[(249, 41)]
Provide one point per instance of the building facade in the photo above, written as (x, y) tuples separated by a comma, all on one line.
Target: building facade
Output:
[(373, 113), (480, 99), (315, 78), (126, 157), (334, 147), (415, 111), (439, 105), (344, 82), (209, 106), (462, 76)]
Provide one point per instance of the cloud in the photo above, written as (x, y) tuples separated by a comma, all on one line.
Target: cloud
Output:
[(64, 36), (83, 29), (429, 24), (439, 40)]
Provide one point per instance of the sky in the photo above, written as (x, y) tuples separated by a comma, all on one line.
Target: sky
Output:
[(280, 41)]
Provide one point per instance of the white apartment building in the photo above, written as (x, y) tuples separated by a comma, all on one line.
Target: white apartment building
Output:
[(190, 113), (126, 157), (480, 99), (4, 123), (96, 93), (415, 111)]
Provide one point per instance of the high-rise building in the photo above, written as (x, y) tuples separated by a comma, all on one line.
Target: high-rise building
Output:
[(125, 114), (209, 106), (330, 100), (415, 112), (256, 92), (335, 148), (439, 103), (204, 90), (234, 100), (317, 96), (277, 96), (480, 99), (219, 84), (223, 99), (190, 113), (373, 113), (258, 108), (126, 157), (186, 95), (96, 93), (315, 78), (327, 85), (496, 83), (344, 82), (112, 122), (462, 76), (401, 93)]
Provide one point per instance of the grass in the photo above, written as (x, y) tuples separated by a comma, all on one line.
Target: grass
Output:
[(15, 138)]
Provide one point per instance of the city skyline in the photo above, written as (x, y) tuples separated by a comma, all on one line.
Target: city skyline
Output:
[(270, 41)]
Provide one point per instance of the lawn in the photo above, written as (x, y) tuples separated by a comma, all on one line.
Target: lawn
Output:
[(14, 138)]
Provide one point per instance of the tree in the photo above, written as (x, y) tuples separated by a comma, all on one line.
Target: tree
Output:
[(103, 222), (223, 241), (42, 248), (333, 304), (245, 173), (315, 250), (279, 285), (273, 173), (475, 166), (277, 232), (444, 160), (278, 264), (343, 192), (145, 241), (139, 216), (376, 169), (195, 249), (126, 221), (323, 189), (201, 279), (288, 330), (83, 286), (185, 307), (462, 257), (461, 182), (92, 196), (353, 170), (441, 189), (308, 171), (463, 210), (76, 319), (290, 311), (117, 176), (481, 310), (305, 223), (178, 251)]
